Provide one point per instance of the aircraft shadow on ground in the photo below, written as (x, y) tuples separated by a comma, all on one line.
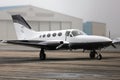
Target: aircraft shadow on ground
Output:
[(105, 58), (16, 60)]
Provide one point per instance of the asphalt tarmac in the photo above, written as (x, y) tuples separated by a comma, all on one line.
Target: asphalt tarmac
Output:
[(59, 65)]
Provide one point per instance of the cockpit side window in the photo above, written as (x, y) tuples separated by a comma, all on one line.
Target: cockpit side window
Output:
[(67, 33), (76, 33)]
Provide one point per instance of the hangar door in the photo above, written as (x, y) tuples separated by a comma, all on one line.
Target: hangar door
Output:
[(44, 26), (34, 25), (55, 26), (3, 30), (11, 34), (7, 30), (66, 25)]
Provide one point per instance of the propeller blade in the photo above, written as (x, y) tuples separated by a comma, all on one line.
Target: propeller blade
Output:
[(113, 46)]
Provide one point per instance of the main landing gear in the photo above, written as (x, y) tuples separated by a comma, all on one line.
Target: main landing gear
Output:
[(94, 54), (42, 54)]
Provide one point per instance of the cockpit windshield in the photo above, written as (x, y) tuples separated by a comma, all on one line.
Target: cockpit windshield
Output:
[(77, 32)]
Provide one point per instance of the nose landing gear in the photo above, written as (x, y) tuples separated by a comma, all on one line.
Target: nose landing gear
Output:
[(94, 54)]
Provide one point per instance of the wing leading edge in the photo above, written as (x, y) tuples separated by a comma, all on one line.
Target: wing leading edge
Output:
[(50, 45)]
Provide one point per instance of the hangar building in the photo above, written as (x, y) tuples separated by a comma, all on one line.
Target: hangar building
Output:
[(94, 28), (39, 19)]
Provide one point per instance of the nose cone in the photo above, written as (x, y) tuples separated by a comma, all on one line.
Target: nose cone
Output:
[(89, 38), (101, 39)]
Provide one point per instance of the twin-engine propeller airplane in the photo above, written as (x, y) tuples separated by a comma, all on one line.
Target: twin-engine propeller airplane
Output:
[(59, 39)]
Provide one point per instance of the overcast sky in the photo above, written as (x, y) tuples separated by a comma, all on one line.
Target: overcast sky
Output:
[(107, 11)]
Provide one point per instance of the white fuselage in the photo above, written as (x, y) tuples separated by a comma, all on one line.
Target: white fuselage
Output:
[(76, 38), (70, 35)]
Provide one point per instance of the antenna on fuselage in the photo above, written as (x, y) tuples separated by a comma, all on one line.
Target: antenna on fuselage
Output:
[(109, 34)]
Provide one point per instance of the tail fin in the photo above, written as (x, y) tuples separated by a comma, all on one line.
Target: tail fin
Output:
[(22, 28)]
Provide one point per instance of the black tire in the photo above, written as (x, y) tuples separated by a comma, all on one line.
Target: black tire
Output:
[(42, 56), (92, 55), (99, 57)]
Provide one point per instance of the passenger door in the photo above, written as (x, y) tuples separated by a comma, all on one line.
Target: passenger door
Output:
[(68, 36)]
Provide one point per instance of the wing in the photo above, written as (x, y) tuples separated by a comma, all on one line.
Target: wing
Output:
[(51, 45)]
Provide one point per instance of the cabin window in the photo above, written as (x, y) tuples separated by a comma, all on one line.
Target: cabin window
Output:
[(48, 35), (54, 34), (43, 35), (59, 34)]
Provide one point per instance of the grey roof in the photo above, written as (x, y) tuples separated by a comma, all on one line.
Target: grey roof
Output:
[(9, 7), (30, 12)]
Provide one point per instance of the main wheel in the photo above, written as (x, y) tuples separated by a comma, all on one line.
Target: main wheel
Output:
[(42, 56), (92, 55), (99, 56)]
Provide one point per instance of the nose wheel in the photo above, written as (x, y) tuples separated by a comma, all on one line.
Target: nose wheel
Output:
[(42, 54), (94, 54), (99, 56)]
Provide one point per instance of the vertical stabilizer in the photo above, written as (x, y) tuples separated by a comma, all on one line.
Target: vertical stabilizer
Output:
[(22, 28)]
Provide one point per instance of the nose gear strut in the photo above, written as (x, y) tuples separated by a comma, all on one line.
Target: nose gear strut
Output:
[(94, 54)]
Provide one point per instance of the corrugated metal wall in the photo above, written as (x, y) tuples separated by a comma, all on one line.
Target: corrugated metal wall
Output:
[(95, 28), (50, 25), (7, 30)]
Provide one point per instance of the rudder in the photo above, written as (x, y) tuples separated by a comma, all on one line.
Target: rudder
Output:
[(22, 28)]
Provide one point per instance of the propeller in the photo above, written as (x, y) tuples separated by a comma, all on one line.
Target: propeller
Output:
[(113, 45), (59, 46)]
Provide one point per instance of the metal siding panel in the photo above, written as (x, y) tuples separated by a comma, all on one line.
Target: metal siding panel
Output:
[(55, 26), (3, 30), (34, 25), (87, 28), (66, 25), (11, 30), (44, 26), (99, 28)]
